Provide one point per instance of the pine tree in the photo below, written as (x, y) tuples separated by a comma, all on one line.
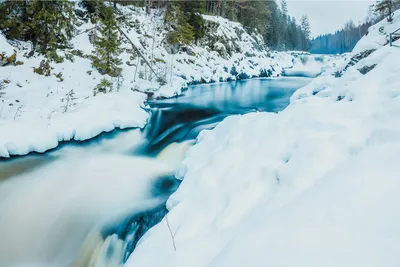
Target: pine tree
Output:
[(284, 8), (13, 19), (186, 21), (387, 8), (50, 24), (254, 15), (193, 10), (107, 43), (181, 32), (93, 8), (305, 27)]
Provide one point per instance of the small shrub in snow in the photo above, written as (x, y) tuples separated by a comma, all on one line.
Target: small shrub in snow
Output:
[(44, 68), (103, 87), (68, 100), (59, 76), (162, 80), (69, 57), (5, 60), (78, 53)]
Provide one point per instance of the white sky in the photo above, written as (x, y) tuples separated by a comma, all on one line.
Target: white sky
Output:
[(327, 16)]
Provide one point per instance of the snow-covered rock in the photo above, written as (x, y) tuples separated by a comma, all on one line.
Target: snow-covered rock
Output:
[(314, 185)]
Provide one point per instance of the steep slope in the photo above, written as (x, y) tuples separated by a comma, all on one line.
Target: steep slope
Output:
[(39, 111), (315, 185)]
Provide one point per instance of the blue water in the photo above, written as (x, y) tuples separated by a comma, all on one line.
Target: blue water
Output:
[(203, 106), (263, 94)]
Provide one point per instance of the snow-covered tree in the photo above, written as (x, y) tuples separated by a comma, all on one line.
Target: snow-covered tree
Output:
[(387, 8)]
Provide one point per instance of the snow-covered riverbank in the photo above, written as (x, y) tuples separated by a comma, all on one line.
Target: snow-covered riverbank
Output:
[(315, 185)]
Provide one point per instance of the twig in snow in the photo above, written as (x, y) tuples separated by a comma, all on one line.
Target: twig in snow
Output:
[(18, 110), (170, 231)]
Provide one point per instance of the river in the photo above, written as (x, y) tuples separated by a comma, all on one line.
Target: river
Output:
[(89, 203)]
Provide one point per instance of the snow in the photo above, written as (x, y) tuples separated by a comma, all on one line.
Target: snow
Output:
[(314, 185), (5, 47), (96, 115)]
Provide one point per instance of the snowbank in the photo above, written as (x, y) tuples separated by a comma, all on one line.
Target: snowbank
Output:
[(92, 117), (314, 185)]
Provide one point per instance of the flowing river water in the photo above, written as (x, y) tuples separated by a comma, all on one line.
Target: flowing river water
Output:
[(89, 203)]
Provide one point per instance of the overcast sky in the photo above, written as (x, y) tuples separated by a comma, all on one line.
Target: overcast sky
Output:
[(326, 16)]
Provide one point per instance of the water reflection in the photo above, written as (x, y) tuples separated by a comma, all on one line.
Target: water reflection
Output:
[(242, 96)]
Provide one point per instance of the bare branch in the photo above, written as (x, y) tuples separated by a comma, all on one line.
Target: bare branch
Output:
[(170, 231)]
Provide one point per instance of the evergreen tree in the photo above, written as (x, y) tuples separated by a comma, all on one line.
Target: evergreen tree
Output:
[(13, 19), (192, 11), (284, 8), (181, 32), (50, 23), (254, 15), (93, 8), (305, 27), (387, 8), (107, 43), (272, 33)]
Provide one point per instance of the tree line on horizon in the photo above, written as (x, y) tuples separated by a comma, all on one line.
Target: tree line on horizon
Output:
[(345, 39)]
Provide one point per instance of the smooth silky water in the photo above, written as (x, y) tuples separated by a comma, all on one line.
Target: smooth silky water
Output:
[(89, 203)]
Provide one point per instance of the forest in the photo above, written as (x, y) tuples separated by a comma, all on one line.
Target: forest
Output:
[(341, 41), (50, 24), (345, 39)]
